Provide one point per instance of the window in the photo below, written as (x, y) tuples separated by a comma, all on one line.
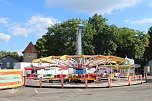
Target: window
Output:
[(8, 64), (1, 65), (4, 58), (29, 55)]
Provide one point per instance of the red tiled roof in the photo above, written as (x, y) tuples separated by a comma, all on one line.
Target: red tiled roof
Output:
[(30, 48)]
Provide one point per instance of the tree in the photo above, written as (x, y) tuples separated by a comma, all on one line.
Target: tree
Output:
[(14, 54), (97, 38), (131, 43), (148, 48), (59, 40), (105, 37), (87, 38)]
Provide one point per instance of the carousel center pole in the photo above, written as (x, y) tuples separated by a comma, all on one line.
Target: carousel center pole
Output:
[(79, 39)]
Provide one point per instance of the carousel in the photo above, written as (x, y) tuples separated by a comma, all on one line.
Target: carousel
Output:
[(78, 70), (74, 68)]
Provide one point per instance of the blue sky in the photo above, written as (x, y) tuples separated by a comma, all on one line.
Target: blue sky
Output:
[(24, 21)]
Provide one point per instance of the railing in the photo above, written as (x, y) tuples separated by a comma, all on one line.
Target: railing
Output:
[(85, 79)]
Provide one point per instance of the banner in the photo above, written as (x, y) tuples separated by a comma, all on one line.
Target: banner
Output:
[(11, 78)]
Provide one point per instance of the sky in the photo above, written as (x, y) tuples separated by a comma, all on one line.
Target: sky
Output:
[(24, 21)]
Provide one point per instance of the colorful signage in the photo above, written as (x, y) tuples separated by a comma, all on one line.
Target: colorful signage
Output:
[(11, 78)]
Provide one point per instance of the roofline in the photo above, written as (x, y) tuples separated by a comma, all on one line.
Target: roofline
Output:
[(10, 56)]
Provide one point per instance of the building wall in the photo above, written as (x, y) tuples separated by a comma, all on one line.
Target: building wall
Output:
[(148, 70), (28, 57), (8, 62)]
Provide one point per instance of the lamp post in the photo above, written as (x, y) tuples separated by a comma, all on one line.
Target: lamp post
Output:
[(79, 39)]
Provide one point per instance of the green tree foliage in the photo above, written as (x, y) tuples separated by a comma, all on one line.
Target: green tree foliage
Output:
[(59, 40), (87, 38), (132, 43), (105, 38), (97, 38), (148, 53)]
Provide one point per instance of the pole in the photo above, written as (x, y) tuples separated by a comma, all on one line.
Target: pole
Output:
[(86, 82), (79, 40), (141, 79), (40, 82), (129, 80), (62, 82), (109, 82), (24, 82), (97, 73)]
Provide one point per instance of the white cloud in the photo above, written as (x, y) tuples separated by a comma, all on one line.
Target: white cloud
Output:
[(127, 21), (4, 37), (35, 25), (4, 20), (140, 21), (151, 4), (18, 30), (38, 24), (41, 21), (93, 6)]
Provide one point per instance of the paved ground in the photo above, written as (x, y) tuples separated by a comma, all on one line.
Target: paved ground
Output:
[(142, 92)]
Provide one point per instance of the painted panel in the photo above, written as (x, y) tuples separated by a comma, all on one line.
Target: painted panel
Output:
[(11, 78)]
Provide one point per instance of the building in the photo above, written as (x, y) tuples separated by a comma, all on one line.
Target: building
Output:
[(148, 68), (8, 61), (30, 53)]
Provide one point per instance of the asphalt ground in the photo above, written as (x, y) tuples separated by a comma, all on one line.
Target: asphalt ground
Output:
[(142, 92)]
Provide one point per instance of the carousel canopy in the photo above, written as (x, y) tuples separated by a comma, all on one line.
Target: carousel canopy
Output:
[(83, 60)]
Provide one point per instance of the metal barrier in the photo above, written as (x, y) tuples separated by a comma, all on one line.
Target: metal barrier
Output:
[(61, 81)]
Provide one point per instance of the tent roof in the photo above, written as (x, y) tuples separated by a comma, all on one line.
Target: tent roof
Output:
[(90, 60)]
